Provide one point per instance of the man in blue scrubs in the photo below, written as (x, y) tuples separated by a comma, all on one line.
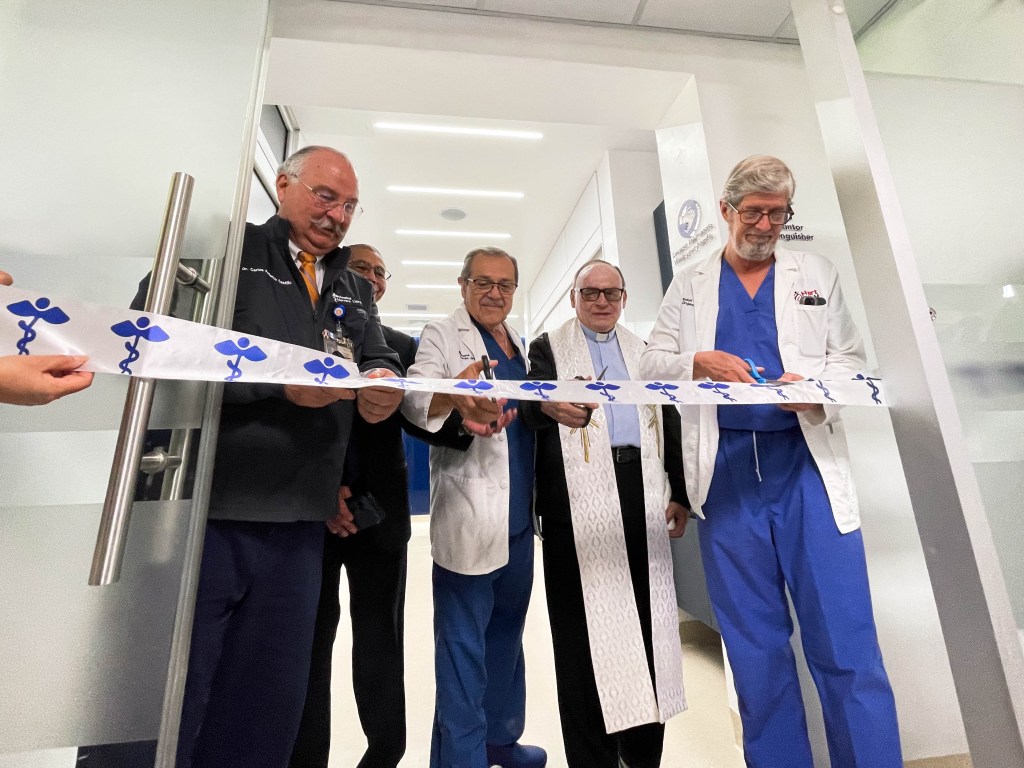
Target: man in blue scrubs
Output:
[(773, 483), (481, 531)]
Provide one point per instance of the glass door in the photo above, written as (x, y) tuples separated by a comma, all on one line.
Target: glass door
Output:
[(102, 103)]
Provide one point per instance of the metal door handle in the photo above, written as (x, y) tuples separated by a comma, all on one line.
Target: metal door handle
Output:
[(117, 507)]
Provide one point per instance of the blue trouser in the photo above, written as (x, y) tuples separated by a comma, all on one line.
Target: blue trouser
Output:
[(478, 658), (249, 662), (759, 537)]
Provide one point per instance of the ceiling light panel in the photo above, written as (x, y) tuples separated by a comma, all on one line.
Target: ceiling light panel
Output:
[(413, 263), (452, 233), (491, 193), (413, 315), (460, 130), (428, 287)]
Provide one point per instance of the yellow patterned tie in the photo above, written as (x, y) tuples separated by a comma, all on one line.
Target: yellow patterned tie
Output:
[(307, 266)]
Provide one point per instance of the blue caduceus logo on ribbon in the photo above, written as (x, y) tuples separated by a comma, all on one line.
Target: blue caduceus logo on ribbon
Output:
[(778, 389), (477, 385), (718, 388), (871, 383), (665, 389), (325, 367), (242, 349), (136, 332), (604, 388), (540, 387), (41, 310), (824, 390)]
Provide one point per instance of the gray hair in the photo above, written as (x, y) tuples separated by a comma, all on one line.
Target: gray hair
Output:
[(487, 250), (366, 247), (296, 161), (759, 174), (594, 263)]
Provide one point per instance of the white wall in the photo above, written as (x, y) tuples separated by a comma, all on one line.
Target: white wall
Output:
[(629, 186), (964, 39)]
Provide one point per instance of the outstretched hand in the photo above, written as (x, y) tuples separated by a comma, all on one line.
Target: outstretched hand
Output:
[(40, 379)]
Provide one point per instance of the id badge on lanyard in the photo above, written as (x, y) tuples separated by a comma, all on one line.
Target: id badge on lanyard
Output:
[(337, 342)]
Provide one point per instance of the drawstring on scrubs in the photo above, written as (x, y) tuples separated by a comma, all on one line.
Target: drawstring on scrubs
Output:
[(757, 463)]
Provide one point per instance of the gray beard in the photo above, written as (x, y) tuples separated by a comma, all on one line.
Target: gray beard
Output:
[(752, 252)]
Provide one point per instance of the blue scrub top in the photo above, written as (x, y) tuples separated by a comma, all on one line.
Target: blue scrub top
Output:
[(746, 328), (520, 439)]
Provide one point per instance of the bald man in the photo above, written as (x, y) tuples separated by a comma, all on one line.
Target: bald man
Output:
[(278, 474), (607, 508)]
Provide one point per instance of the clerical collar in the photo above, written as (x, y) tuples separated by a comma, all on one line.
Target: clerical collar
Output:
[(596, 336)]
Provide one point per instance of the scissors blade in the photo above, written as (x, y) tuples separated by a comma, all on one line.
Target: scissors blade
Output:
[(600, 376)]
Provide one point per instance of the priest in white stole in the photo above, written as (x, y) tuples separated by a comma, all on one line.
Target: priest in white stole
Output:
[(607, 508)]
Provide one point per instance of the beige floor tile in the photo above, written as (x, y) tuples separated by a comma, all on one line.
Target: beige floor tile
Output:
[(701, 737)]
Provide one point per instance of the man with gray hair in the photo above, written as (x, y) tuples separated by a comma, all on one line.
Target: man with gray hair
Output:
[(481, 531), (772, 484), (278, 473)]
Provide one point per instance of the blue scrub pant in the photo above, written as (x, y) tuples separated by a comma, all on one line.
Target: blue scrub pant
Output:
[(478, 658), (249, 662), (759, 537)]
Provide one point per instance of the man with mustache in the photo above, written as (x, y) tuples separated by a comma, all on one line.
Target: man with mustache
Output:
[(772, 484), (481, 531), (278, 472)]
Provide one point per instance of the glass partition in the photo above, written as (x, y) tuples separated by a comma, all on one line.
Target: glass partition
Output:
[(950, 109), (102, 103)]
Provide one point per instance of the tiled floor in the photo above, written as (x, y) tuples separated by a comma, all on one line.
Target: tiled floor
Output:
[(702, 737)]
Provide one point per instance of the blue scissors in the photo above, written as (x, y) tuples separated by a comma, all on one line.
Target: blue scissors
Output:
[(753, 371)]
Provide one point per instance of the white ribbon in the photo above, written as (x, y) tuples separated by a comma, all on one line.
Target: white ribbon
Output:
[(125, 342)]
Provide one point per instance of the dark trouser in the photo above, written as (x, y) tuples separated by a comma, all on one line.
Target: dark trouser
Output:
[(759, 537), (376, 586), (478, 658), (587, 743), (249, 662)]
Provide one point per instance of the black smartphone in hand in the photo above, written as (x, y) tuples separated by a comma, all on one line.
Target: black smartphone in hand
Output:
[(366, 510)]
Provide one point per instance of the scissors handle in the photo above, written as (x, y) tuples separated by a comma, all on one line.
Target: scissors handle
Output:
[(753, 371)]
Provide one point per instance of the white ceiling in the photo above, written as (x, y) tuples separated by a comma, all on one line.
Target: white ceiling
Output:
[(768, 20), (583, 110)]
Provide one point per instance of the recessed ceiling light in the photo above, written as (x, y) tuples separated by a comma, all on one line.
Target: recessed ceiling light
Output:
[(422, 287), (413, 263), (458, 192), (453, 233), (413, 315), (500, 133)]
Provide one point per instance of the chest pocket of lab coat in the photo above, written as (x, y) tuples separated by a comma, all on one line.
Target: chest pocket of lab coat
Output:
[(811, 329)]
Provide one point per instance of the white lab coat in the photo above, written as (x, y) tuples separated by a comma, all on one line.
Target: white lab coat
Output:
[(815, 341), (469, 490)]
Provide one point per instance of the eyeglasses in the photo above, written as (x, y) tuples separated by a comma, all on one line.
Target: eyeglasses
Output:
[(751, 216), (611, 295), (328, 202), (483, 285), (365, 269)]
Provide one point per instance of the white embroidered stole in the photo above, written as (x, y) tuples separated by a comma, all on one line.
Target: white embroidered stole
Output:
[(613, 622)]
